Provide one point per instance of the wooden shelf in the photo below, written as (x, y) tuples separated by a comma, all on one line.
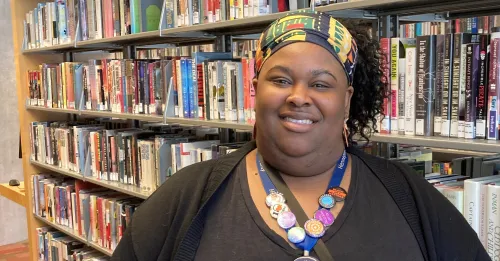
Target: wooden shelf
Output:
[(16, 194), (71, 233)]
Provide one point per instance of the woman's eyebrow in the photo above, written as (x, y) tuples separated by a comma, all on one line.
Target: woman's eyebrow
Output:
[(282, 69), (322, 71)]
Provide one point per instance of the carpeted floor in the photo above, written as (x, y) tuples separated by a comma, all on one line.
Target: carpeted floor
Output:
[(15, 252)]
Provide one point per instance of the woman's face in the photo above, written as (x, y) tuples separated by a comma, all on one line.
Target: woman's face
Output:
[(302, 99)]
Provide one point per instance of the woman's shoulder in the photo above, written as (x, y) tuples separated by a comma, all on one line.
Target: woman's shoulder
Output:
[(427, 210), (164, 217)]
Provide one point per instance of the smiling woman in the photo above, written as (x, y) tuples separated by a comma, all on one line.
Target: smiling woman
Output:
[(301, 190)]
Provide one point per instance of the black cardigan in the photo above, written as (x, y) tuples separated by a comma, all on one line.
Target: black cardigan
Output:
[(169, 224)]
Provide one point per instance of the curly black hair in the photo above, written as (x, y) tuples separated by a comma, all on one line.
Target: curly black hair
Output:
[(370, 85)]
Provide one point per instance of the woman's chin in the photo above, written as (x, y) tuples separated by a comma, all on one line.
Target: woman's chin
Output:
[(296, 149)]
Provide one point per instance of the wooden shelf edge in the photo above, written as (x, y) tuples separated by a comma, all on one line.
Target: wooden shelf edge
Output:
[(14, 193), (71, 233)]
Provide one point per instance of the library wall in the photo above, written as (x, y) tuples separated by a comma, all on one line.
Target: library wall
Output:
[(12, 216)]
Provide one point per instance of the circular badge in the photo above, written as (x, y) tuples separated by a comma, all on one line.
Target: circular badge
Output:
[(286, 219), (327, 201), (274, 198), (338, 193), (296, 235), (306, 258), (314, 228), (325, 216), (278, 208)]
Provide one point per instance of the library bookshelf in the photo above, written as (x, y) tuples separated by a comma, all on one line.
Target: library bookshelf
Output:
[(383, 14)]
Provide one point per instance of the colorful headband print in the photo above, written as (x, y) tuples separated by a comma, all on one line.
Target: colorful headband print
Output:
[(309, 26)]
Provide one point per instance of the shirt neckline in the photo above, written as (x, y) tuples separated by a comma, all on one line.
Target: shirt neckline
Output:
[(242, 179)]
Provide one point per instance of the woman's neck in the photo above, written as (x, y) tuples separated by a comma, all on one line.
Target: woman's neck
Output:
[(317, 163), (308, 183)]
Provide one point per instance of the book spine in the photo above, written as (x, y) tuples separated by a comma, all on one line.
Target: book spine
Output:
[(482, 92), (411, 61), (424, 112), (99, 18), (493, 221), (472, 94), (394, 85), (401, 95), (492, 92), (455, 85), (385, 121), (440, 56), (468, 91)]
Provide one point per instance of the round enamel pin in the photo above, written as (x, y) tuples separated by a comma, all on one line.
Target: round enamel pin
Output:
[(314, 228), (274, 198), (296, 235), (327, 201), (338, 193), (286, 219), (277, 208), (325, 216)]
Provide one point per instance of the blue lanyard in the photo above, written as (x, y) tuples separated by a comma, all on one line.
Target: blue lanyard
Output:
[(338, 174)]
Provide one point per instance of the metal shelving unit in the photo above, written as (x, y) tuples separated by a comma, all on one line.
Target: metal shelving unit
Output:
[(117, 186), (381, 12), (366, 9), (72, 234), (150, 118), (440, 142), (433, 141)]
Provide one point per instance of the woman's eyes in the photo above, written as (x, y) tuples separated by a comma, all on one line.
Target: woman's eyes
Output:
[(285, 82), (281, 82), (320, 86)]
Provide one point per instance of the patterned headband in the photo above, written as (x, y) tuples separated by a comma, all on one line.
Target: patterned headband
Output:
[(309, 26)]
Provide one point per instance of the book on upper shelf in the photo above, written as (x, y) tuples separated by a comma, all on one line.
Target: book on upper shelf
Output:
[(61, 22), (202, 85), (442, 79)]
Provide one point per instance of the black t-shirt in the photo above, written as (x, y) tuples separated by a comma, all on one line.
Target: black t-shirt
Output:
[(370, 226)]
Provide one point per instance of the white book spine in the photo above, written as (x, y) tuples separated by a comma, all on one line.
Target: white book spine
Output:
[(98, 19), (122, 18), (472, 204), (493, 221), (411, 57), (180, 107)]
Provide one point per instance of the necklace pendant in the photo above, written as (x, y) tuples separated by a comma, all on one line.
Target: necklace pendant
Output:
[(327, 201), (314, 228), (278, 208), (338, 193), (296, 235), (274, 198), (306, 258), (325, 216)]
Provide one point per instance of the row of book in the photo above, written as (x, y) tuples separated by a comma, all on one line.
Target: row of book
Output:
[(96, 214), (442, 85), (477, 199), (207, 85), (475, 25), (144, 156), (65, 21), (56, 245), (470, 183)]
